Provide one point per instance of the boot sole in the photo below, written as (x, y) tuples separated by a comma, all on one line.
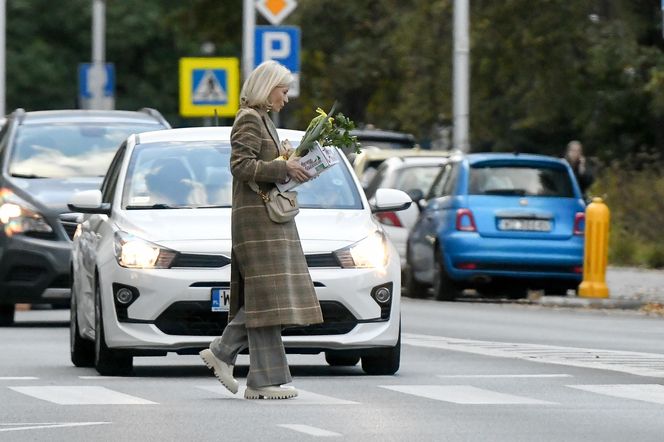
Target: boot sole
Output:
[(253, 394), (232, 387)]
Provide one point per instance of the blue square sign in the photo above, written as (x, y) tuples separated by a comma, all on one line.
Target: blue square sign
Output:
[(209, 86), (278, 43)]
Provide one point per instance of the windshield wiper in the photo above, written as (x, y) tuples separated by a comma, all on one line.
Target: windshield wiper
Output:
[(26, 175), (157, 206)]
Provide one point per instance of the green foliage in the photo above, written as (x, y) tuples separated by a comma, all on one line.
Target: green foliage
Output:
[(633, 190), (329, 130)]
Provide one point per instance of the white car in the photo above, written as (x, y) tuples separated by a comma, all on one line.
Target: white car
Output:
[(150, 263), (413, 175)]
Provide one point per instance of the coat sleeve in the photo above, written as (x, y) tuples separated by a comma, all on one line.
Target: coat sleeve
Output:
[(246, 140)]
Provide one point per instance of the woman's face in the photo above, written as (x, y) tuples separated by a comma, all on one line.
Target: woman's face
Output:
[(278, 97)]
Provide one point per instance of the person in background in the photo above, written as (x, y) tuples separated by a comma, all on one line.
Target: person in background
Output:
[(270, 282), (581, 168)]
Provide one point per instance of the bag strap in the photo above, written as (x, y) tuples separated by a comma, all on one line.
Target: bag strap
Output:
[(254, 186)]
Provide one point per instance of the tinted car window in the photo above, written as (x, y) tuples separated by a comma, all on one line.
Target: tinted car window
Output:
[(438, 186), (419, 178), (68, 150), (197, 174), (520, 180)]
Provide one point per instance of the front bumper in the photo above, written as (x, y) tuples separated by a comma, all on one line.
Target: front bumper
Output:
[(33, 270), (172, 311)]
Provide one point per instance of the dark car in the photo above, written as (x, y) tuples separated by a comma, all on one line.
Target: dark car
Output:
[(384, 139), (46, 157), (499, 223)]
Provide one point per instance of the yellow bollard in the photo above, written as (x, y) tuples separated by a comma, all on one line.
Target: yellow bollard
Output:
[(596, 251)]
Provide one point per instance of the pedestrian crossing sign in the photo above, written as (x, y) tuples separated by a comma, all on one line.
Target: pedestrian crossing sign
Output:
[(209, 84)]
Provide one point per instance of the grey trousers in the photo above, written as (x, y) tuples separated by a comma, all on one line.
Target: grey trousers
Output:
[(267, 357)]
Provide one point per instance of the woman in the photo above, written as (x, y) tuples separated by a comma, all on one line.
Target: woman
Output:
[(270, 282)]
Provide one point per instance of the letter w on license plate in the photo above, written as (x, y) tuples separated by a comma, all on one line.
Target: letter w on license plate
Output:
[(220, 299)]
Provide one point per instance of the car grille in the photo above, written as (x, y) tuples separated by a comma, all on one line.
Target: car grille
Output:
[(194, 318), (191, 318), (337, 320), (322, 260), (191, 260)]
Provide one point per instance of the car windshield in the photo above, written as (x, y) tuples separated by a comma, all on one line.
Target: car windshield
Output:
[(68, 150), (197, 175), (520, 180)]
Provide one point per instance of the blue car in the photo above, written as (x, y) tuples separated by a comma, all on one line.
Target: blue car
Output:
[(500, 224)]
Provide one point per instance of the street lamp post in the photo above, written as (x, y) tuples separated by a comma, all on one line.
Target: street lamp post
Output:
[(461, 84)]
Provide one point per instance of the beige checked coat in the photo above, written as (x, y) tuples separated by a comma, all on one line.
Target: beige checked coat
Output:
[(269, 274)]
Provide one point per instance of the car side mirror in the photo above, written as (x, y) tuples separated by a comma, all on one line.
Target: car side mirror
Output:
[(89, 201), (390, 200)]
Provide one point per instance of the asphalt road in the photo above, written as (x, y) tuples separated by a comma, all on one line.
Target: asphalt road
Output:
[(470, 372)]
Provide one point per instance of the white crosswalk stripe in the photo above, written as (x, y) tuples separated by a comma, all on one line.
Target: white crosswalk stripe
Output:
[(311, 431), (640, 364), (465, 394), (304, 397), (653, 393), (74, 395)]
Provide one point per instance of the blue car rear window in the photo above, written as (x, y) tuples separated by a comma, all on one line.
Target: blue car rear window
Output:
[(520, 180)]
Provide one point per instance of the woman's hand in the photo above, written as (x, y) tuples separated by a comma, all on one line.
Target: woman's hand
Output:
[(295, 170)]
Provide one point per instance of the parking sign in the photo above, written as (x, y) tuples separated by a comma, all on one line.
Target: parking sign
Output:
[(282, 44)]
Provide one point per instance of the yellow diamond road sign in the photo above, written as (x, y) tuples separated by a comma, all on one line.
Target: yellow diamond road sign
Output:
[(208, 84), (275, 10)]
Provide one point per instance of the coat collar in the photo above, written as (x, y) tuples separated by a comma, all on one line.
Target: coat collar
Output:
[(271, 129)]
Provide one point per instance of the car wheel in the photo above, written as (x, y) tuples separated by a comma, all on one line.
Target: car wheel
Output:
[(340, 360), (7, 314), (414, 288), (384, 361), (444, 287), (107, 361), (82, 350)]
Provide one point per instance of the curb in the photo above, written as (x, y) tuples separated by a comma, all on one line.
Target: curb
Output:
[(594, 303)]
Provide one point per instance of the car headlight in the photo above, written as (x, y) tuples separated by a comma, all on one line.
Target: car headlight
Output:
[(136, 253), (370, 252), (18, 216)]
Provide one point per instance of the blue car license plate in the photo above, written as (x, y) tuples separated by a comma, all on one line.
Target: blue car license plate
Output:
[(220, 299), (525, 225)]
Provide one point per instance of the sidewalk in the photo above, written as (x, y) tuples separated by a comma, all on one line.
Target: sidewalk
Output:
[(629, 288)]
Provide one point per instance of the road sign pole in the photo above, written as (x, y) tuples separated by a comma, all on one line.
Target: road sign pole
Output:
[(461, 79), (249, 23)]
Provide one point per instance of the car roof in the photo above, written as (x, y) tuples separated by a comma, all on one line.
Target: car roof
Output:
[(69, 115), (475, 158), (383, 154), (204, 134), (415, 161), (378, 134)]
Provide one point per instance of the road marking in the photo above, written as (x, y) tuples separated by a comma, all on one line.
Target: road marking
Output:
[(18, 378), (304, 397), (82, 396), (465, 394), (311, 431), (39, 426), (640, 364), (640, 392), (500, 376)]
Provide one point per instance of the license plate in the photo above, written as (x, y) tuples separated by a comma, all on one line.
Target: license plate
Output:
[(528, 225), (220, 299)]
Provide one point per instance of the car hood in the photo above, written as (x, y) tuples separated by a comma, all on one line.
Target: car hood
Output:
[(206, 230), (53, 194)]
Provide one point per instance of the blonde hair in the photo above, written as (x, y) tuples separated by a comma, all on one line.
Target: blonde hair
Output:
[(260, 83)]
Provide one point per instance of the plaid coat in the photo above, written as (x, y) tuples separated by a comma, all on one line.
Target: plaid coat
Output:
[(269, 274)]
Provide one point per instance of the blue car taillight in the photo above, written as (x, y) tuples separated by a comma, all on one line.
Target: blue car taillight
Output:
[(465, 221)]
